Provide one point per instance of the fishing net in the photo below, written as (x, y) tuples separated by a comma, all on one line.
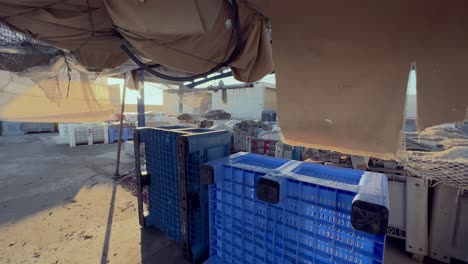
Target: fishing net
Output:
[(39, 82), (27, 57), (439, 154), (19, 52), (50, 67)]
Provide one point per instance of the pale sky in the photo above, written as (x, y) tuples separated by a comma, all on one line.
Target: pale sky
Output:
[(154, 91), (412, 82), (271, 79)]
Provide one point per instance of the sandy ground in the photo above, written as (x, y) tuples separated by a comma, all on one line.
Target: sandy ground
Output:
[(60, 205)]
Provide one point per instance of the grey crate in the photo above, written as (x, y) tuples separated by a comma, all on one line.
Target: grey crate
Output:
[(29, 127), (12, 128), (449, 224)]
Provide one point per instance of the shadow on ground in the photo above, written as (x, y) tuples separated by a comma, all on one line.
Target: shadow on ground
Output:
[(36, 173), (156, 247)]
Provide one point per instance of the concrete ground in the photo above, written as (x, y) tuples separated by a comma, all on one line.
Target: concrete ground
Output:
[(60, 205)]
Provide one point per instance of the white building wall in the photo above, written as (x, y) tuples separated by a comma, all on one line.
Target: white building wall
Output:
[(242, 103), (171, 105)]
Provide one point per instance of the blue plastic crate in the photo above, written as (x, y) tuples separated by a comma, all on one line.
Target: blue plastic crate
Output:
[(198, 146), (178, 202), (311, 214), (163, 192), (127, 134)]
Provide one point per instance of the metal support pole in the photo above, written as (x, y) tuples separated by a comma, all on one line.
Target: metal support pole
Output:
[(119, 144), (184, 89), (141, 99)]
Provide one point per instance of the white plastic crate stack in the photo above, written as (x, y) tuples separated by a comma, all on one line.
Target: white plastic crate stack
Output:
[(87, 134), (63, 131), (439, 155), (449, 225), (409, 217)]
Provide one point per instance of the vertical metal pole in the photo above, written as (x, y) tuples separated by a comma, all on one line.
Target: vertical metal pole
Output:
[(119, 144), (141, 100)]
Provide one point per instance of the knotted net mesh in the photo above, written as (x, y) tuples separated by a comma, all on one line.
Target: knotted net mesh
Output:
[(439, 154), (19, 52)]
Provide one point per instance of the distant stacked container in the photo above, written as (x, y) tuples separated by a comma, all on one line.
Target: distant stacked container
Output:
[(12, 128)]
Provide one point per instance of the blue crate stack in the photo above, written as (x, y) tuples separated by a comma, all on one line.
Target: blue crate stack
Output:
[(163, 192), (177, 201), (269, 210), (127, 133), (195, 148)]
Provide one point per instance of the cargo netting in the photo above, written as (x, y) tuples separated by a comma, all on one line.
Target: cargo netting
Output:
[(27, 57), (19, 52), (439, 154)]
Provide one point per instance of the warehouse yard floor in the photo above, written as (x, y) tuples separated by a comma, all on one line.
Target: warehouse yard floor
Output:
[(60, 205)]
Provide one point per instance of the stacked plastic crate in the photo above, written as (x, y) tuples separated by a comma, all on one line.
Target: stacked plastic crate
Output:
[(289, 152), (269, 210), (29, 127), (87, 134), (177, 201), (261, 146), (127, 133), (10, 128), (64, 131)]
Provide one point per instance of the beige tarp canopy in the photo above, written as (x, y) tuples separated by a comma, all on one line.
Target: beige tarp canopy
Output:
[(88, 100), (341, 66), (342, 69), (188, 36)]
